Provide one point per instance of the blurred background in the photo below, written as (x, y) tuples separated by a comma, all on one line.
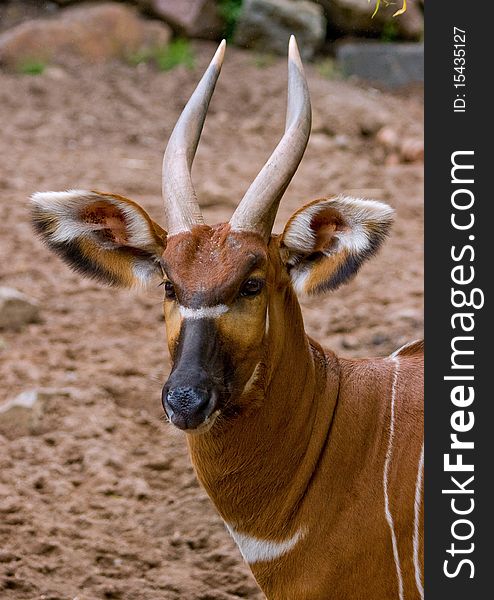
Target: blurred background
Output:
[(97, 496)]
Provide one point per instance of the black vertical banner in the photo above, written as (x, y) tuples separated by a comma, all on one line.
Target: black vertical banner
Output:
[(459, 243)]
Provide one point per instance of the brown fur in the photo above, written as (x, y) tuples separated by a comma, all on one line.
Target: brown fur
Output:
[(309, 451), (302, 443), (207, 267), (208, 264)]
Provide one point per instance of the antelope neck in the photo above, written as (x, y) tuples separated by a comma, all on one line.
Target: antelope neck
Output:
[(271, 450)]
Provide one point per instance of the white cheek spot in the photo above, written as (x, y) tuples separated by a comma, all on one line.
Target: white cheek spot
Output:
[(299, 278), (144, 271), (257, 550), (205, 312), (252, 378)]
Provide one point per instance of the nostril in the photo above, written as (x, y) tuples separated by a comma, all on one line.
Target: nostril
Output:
[(188, 407), (187, 397)]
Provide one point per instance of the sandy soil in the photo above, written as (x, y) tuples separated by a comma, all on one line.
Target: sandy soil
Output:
[(102, 502)]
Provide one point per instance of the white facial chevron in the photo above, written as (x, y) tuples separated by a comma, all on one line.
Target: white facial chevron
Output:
[(205, 312)]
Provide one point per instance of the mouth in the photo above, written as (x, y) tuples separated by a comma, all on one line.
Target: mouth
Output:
[(205, 426), (189, 408)]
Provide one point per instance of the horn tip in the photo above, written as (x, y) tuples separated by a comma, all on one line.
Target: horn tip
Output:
[(293, 51), (220, 53)]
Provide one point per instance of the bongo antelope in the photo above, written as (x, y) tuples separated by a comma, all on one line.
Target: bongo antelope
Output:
[(314, 462)]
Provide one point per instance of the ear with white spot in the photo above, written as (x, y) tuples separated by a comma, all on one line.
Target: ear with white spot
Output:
[(103, 236), (326, 241)]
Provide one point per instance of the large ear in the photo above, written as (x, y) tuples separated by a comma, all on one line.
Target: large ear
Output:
[(103, 236), (326, 241)]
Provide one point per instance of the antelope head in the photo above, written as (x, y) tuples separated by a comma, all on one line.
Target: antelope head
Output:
[(225, 286)]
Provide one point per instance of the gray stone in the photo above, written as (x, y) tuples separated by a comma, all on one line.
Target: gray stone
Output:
[(392, 65), (134, 487), (93, 33), (194, 18), (354, 17), (16, 309), (24, 414), (266, 26), (21, 415)]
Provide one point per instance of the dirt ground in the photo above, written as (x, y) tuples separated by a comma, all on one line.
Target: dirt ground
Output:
[(102, 502)]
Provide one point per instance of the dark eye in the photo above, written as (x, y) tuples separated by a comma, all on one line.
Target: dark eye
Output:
[(251, 287), (169, 291)]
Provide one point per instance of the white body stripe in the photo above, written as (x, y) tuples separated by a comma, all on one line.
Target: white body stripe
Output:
[(205, 312), (299, 279), (396, 352), (256, 550), (389, 516), (418, 493)]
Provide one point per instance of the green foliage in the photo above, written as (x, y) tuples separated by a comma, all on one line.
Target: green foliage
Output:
[(177, 52), (263, 59), (31, 67), (328, 69), (389, 32), (229, 11)]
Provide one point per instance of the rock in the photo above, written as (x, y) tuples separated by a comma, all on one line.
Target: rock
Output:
[(350, 342), (21, 415), (392, 65), (55, 73), (7, 557), (400, 150), (159, 465), (342, 141), (354, 17), (134, 487), (266, 26), (410, 316), (25, 414), (193, 18), (392, 160), (16, 309), (371, 122), (412, 150), (90, 33), (379, 338), (321, 142), (388, 137)]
